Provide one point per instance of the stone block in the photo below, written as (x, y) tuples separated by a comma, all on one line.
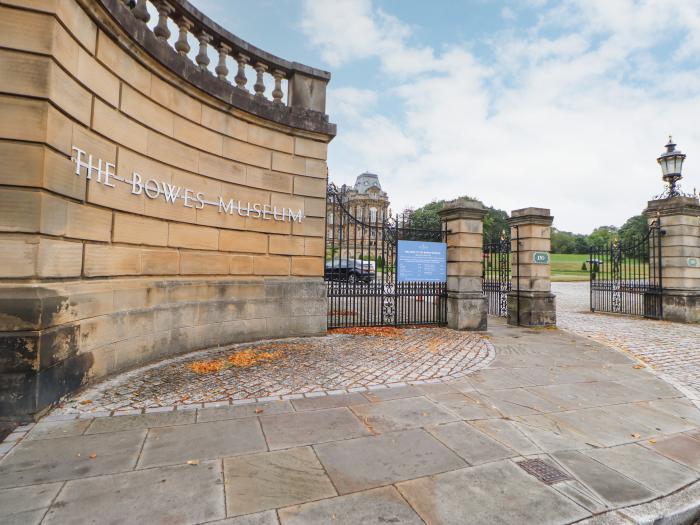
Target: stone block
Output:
[(314, 246), (198, 136), (97, 78), (193, 263), (309, 186), (465, 240), (532, 309), (268, 226), (268, 180), (271, 139), (271, 265), (93, 145), (172, 152), (467, 310), (190, 236), (464, 284), (22, 118), (59, 258), (105, 260), (530, 230), (162, 209), (224, 123), (146, 111), (58, 130), (240, 241), (682, 306), (18, 256), (241, 265), (464, 269), (88, 222), (111, 123), (314, 207), (286, 245), (26, 30), (288, 163), (54, 214), (281, 200), (221, 169), (307, 266), (136, 229), (247, 153), (20, 210), (311, 226), (463, 254), (310, 148), (160, 262), (174, 98)]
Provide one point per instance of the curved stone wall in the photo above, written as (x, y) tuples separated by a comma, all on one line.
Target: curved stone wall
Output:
[(147, 207)]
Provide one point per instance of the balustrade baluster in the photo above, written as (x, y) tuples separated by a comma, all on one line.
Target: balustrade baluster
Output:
[(221, 69), (241, 79), (182, 46), (164, 10), (259, 86), (277, 93), (141, 11), (202, 58)]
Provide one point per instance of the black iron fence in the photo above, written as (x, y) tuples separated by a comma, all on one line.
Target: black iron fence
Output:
[(360, 270), (626, 278)]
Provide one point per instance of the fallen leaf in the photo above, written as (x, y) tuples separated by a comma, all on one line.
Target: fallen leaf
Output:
[(258, 410), (93, 456), (86, 402), (635, 435), (652, 441), (193, 462), (638, 366)]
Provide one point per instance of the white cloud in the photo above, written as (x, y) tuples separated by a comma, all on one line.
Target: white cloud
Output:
[(572, 122)]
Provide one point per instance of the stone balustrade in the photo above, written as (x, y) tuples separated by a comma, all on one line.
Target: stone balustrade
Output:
[(170, 35)]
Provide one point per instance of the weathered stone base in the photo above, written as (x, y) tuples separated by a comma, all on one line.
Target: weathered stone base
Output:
[(681, 306), (467, 311), (58, 337), (536, 309)]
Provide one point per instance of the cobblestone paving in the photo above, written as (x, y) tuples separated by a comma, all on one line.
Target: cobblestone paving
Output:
[(304, 366), (670, 349)]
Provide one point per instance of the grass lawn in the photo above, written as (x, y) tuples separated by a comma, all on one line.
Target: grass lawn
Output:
[(567, 267)]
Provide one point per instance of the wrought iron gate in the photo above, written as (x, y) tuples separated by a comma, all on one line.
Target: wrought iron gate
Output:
[(625, 278), (360, 270), (497, 274)]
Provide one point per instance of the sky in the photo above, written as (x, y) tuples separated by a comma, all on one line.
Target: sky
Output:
[(556, 104)]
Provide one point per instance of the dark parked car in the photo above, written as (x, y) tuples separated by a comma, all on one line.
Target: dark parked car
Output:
[(350, 270)]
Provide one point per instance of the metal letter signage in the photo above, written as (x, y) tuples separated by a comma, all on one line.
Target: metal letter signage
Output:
[(540, 258), (421, 261), (105, 172)]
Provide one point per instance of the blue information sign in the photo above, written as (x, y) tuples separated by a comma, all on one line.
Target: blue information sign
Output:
[(422, 261)]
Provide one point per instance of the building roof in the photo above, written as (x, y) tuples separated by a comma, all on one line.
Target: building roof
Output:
[(367, 180)]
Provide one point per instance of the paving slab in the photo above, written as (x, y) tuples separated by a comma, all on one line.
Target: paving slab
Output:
[(274, 479), (397, 392), (653, 387), (516, 402), (262, 518), (400, 414), (495, 493), (578, 492), (57, 429), (587, 395), (470, 444), (314, 426), (602, 427), (181, 494), (496, 378), (645, 466), (614, 488), (138, 421), (680, 447), (240, 411), (340, 400), (647, 420), (551, 434), (26, 505), (469, 406), (33, 462), (362, 463), (682, 408), (381, 506), (507, 433), (173, 445)]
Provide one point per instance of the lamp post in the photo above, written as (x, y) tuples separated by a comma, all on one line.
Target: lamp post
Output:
[(671, 162)]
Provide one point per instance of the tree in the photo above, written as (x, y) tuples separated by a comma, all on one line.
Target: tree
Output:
[(603, 235), (634, 229)]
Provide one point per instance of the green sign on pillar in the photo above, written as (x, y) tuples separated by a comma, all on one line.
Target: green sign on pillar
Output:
[(693, 262), (540, 258)]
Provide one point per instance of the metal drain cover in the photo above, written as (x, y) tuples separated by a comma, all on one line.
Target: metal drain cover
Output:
[(543, 471)]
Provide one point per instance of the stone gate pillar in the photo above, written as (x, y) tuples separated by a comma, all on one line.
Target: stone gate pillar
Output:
[(680, 256), (531, 302), (466, 305)]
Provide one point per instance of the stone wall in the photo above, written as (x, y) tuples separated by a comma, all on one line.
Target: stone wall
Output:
[(97, 274)]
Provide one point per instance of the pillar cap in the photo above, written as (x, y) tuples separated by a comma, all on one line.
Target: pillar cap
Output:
[(531, 215), (462, 209), (678, 205)]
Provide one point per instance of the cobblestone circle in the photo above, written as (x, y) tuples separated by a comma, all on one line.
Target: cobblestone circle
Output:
[(336, 363), (672, 350)]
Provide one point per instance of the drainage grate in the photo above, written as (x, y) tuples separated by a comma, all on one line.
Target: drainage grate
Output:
[(543, 471)]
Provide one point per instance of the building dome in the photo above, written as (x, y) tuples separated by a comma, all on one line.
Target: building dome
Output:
[(365, 181)]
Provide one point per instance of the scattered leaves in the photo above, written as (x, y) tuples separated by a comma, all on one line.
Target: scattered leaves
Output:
[(371, 331), (205, 367), (193, 462), (86, 401), (639, 366), (248, 358)]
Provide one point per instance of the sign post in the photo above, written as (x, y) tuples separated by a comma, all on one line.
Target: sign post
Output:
[(421, 261)]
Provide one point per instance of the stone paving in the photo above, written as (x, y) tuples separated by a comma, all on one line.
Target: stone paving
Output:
[(625, 444), (670, 349), (302, 366)]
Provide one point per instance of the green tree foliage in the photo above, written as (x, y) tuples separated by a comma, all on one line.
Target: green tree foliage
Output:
[(634, 229), (426, 217), (567, 242), (603, 235)]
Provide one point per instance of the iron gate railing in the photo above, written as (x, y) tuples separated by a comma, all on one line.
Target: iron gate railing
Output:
[(499, 259), (626, 278), (360, 270)]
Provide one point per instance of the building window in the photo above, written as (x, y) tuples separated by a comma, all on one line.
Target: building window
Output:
[(373, 214), (358, 214), (330, 218)]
